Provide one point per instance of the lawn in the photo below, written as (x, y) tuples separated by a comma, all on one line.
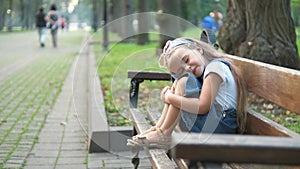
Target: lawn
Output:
[(113, 66), (298, 39)]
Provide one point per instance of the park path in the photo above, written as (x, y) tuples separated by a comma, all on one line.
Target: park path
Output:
[(37, 120), (43, 104)]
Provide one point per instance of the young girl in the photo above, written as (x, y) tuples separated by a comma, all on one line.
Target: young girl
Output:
[(208, 93)]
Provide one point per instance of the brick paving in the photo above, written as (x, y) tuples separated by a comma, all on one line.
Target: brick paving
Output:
[(62, 142), (31, 79), (43, 106)]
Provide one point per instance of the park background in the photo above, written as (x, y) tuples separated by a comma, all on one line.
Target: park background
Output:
[(116, 27), (119, 46)]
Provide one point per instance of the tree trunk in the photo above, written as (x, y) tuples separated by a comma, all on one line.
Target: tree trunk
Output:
[(95, 15), (27, 14), (10, 22), (127, 20), (260, 30), (31, 15), (143, 20), (169, 26), (2, 14), (115, 12)]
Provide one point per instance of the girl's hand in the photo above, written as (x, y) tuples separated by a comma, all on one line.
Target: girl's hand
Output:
[(163, 92), (166, 94)]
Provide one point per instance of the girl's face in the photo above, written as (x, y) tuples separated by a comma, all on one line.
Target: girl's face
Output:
[(186, 60)]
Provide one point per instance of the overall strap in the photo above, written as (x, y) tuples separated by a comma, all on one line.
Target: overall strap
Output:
[(223, 61)]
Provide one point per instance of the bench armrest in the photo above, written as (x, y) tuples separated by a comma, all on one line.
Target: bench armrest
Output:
[(138, 77), (148, 75)]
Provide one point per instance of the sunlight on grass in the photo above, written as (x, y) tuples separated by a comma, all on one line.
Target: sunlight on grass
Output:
[(298, 40), (113, 67)]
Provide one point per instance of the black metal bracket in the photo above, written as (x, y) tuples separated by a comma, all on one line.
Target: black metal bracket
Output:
[(134, 92)]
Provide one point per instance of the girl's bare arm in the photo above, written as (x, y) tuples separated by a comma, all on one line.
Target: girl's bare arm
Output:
[(199, 105)]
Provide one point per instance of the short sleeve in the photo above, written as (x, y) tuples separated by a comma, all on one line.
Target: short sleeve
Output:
[(216, 67)]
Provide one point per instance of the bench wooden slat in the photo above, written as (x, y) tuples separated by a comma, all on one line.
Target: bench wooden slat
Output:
[(257, 124), (154, 117), (237, 148), (277, 84), (158, 157), (139, 120), (161, 159), (150, 75)]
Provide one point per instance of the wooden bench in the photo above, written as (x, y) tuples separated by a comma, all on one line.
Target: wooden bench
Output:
[(265, 142)]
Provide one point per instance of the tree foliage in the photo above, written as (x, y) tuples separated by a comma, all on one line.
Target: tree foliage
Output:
[(22, 12)]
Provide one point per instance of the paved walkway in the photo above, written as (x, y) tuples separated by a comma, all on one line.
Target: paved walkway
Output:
[(43, 105), (36, 123), (62, 142)]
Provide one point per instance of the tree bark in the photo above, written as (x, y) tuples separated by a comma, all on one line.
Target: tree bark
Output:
[(143, 20), (169, 26), (2, 14), (95, 15), (115, 12), (260, 30), (10, 22), (127, 19)]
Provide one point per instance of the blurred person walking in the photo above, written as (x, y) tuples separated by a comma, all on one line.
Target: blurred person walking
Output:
[(41, 25), (52, 19)]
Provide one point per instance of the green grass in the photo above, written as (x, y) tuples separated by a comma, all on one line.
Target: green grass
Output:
[(113, 67), (288, 119), (274, 112), (298, 40), (192, 33)]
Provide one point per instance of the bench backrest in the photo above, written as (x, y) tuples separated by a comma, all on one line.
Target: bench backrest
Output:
[(276, 84)]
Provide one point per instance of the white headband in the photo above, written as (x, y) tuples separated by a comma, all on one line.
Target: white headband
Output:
[(174, 43), (171, 45)]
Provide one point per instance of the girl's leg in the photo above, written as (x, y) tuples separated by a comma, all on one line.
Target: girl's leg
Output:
[(173, 114), (163, 116), (171, 117), (171, 121), (159, 122)]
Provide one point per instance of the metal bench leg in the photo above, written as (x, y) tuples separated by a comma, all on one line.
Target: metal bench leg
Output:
[(133, 97), (135, 159), (134, 92)]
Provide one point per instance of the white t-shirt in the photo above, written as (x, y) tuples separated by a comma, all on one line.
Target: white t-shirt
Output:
[(227, 93)]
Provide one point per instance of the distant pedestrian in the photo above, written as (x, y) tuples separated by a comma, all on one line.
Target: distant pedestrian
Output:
[(211, 25), (62, 23), (52, 18), (41, 25)]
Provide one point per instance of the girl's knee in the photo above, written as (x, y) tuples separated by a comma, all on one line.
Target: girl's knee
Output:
[(179, 86)]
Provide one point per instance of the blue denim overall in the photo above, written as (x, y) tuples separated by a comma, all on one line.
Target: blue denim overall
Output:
[(213, 121)]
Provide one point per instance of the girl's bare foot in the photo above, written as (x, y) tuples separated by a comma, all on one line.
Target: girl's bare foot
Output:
[(154, 137)]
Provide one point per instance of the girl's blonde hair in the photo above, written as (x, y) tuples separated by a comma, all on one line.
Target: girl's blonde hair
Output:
[(210, 53)]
